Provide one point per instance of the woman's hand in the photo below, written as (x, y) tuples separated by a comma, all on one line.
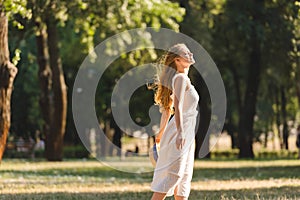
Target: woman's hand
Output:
[(179, 141), (157, 140)]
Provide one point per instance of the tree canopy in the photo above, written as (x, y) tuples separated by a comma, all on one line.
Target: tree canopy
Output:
[(254, 43)]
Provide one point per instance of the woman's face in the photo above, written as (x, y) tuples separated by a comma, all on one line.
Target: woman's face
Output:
[(185, 58), (187, 55)]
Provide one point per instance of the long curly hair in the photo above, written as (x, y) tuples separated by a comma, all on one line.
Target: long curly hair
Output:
[(163, 80)]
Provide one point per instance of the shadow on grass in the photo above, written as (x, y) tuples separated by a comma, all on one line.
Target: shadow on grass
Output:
[(258, 173), (103, 172), (261, 193)]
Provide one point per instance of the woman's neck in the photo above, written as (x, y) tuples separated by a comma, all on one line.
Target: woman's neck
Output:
[(184, 71)]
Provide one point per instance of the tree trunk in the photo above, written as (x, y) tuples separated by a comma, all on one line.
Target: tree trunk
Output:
[(298, 79), (266, 134), (117, 141), (54, 139), (45, 77), (298, 86), (277, 114), (237, 87), (186, 5), (230, 127), (202, 146), (285, 131), (248, 112), (7, 74), (236, 79)]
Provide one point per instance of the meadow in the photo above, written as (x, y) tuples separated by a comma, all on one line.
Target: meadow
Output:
[(90, 179)]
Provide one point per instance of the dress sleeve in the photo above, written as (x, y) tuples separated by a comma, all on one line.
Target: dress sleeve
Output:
[(179, 88)]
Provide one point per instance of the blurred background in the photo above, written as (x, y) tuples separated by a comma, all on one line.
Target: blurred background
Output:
[(254, 43)]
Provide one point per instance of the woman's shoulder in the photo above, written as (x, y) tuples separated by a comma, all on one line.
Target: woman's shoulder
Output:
[(181, 76)]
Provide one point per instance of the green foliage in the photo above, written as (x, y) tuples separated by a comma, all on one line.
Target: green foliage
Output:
[(265, 154), (69, 152), (99, 20), (261, 154), (273, 25), (77, 152), (16, 7), (26, 116), (225, 154), (17, 57), (82, 24), (200, 20), (224, 27), (15, 11)]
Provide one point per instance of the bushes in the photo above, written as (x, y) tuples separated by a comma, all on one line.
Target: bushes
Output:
[(13, 153), (80, 151), (231, 153), (276, 154), (77, 151), (262, 154)]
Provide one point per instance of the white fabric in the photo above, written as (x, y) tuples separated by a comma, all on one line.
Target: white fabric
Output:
[(179, 86), (175, 167)]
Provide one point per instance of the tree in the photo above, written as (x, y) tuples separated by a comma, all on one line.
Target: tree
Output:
[(53, 99), (296, 46), (251, 50), (91, 21), (198, 23), (7, 74), (124, 15)]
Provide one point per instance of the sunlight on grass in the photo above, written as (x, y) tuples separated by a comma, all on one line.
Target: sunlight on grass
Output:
[(90, 179), (245, 163)]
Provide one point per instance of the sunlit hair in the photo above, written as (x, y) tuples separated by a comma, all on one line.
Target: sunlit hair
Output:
[(163, 80)]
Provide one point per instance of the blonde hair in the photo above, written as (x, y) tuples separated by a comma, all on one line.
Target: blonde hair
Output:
[(163, 83)]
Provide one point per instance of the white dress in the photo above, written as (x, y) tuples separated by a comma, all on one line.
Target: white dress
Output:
[(175, 167)]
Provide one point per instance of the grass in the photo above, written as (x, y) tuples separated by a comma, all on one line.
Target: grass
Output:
[(89, 179)]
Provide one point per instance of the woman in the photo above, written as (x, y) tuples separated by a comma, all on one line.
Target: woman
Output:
[(175, 95)]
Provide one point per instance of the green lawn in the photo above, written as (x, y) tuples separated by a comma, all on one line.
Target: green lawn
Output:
[(79, 179)]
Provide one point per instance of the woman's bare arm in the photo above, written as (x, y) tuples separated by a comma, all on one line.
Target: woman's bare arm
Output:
[(163, 124)]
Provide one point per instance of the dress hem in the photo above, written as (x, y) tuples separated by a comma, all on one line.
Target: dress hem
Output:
[(168, 195)]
